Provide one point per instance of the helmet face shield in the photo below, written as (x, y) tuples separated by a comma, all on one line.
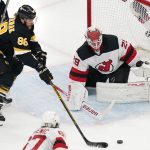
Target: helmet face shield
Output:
[(94, 38)]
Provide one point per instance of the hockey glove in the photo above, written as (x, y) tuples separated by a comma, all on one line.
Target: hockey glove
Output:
[(16, 66), (45, 74), (41, 57), (140, 63)]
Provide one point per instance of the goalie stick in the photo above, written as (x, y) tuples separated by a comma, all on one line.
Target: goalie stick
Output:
[(89, 143), (88, 109)]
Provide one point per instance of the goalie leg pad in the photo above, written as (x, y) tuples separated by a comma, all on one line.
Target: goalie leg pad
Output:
[(141, 71), (77, 93), (123, 92)]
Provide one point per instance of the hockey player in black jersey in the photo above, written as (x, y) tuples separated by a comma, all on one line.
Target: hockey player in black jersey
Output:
[(101, 58), (10, 66), (27, 49), (17, 36)]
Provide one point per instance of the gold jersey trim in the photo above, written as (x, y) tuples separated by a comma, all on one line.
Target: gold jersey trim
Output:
[(3, 91), (19, 51), (33, 38)]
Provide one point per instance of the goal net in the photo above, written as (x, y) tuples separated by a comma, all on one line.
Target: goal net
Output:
[(116, 17)]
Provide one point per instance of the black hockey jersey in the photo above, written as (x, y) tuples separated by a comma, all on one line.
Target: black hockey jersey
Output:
[(14, 33), (114, 52)]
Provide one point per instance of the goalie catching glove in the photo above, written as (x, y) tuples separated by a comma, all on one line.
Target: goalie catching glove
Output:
[(44, 74), (140, 63), (77, 93)]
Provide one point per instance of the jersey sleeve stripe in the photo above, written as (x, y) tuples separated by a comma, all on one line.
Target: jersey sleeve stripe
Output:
[(78, 75), (128, 54), (78, 71), (60, 143), (60, 146), (132, 57), (20, 49), (77, 78)]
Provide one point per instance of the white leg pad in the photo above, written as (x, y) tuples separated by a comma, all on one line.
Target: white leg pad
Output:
[(77, 93), (123, 92), (141, 71)]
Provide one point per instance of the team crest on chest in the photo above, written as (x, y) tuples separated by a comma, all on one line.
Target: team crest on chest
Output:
[(105, 66)]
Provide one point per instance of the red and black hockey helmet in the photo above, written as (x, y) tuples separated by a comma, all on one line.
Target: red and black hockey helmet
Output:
[(26, 12)]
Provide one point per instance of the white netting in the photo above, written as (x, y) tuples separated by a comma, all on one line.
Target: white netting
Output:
[(115, 17)]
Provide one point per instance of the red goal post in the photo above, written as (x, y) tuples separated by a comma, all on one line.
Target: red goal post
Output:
[(89, 13), (145, 2), (115, 17)]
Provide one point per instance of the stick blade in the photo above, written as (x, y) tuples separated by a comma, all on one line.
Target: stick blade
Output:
[(97, 144)]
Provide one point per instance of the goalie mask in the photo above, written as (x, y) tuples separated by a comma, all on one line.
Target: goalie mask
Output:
[(50, 119), (94, 39)]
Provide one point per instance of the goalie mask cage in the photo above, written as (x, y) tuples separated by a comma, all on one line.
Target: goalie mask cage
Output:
[(115, 17)]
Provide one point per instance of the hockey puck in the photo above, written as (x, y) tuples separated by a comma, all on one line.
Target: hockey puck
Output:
[(119, 141)]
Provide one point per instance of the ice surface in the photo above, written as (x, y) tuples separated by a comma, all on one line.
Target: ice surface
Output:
[(60, 29)]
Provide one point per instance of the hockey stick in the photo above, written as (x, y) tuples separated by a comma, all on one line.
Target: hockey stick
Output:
[(95, 114), (88, 109), (89, 143), (3, 15)]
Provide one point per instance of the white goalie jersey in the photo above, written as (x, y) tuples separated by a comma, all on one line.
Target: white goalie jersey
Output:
[(114, 52), (47, 139)]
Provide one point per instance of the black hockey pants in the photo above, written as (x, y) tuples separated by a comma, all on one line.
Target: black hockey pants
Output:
[(121, 75), (6, 76)]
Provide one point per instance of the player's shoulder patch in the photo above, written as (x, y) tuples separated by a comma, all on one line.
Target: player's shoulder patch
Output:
[(85, 52), (110, 43)]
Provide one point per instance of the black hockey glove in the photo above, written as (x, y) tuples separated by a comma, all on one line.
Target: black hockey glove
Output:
[(41, 57), (16, 66), (44, 74), (140, 63)]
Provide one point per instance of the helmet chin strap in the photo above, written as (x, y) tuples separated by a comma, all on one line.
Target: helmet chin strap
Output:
[(98, 52)]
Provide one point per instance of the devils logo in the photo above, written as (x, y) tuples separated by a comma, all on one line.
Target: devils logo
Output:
[(105, 66)]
